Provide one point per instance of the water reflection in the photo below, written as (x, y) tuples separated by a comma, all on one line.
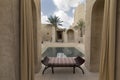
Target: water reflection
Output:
[(62, 52)]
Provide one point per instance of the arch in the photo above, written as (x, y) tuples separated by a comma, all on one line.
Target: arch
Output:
[(96, 33), (59, 37), (70, 35)]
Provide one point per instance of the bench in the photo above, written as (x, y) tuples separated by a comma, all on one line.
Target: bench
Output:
[(51, 62)]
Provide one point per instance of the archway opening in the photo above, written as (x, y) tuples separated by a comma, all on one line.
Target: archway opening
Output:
[(59, 36), (70, 35), (93, 51), (96, 29)]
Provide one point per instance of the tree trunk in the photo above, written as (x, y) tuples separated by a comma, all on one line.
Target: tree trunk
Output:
[(81, 35), (55, 34)]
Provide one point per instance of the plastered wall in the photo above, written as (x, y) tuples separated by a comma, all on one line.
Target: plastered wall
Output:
[(9, 39)]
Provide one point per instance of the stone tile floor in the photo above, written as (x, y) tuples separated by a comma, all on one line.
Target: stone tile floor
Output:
[(66, 74)]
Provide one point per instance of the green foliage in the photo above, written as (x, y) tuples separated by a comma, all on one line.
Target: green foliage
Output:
[(80, 24), (55, 21)]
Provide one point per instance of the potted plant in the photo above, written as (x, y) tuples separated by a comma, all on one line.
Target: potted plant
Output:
[(80, 25)]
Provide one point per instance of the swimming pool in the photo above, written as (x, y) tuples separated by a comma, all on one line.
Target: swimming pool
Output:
[(62, 52)]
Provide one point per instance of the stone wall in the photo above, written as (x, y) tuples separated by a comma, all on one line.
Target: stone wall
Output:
[(79, 13), (96, 34), (89, 6), (93, 33), (75, 36), (46, 32), (9, 39)]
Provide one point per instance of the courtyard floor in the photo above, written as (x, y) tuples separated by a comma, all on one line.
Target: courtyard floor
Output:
[(65, 73)]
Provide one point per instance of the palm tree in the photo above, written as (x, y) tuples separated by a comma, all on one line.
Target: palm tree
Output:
[(80, 25), (55, 21)]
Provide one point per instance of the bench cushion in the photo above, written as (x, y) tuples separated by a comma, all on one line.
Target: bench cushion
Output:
[(62, 62)]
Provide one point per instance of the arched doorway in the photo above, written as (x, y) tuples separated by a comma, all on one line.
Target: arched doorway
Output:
[(94, 38), (70, 35), (96, 33), (59, 37)]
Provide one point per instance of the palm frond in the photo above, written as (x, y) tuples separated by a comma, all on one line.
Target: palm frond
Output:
[(55, 21), (80, 24)]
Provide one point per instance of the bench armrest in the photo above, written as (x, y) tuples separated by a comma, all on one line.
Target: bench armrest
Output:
[(45, 61), (79, 60)]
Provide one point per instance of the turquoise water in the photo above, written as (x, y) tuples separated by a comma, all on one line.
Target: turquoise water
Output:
[(62, 52)]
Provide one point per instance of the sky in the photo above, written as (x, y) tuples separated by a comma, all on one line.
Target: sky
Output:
[(64, 9)]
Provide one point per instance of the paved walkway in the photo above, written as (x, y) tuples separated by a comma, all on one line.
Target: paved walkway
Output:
[(66, 74)]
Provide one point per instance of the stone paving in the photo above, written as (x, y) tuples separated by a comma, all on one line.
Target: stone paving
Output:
[(65, 73)]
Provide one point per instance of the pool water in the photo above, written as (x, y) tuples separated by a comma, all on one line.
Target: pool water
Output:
[(62, 52)]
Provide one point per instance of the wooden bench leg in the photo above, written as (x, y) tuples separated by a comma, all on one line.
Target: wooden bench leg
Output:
[(73, 70), (81, 69), (45, 69), (52, 70)]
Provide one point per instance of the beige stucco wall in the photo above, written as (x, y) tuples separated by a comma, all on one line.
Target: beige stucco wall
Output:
[(89, 6), (94, 23), (47, 28), (46, 32), (9, 39), (96, 34), (76, 38), (117, 74), (71, 35), (79, 13)]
